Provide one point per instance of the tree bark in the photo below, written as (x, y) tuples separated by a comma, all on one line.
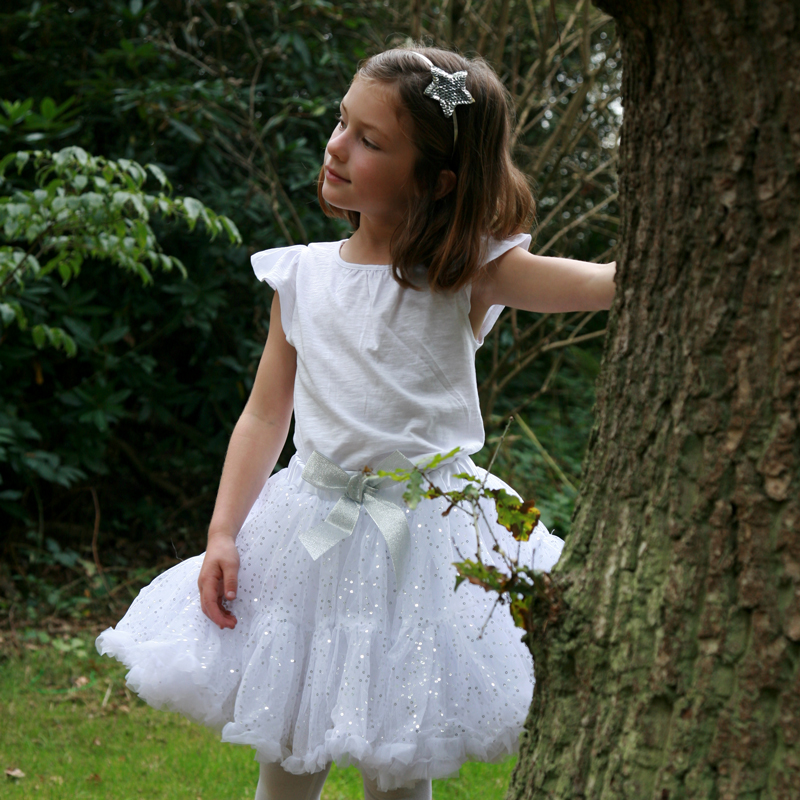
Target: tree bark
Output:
[(673, 670)]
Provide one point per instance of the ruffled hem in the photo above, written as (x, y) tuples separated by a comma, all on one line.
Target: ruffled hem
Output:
[(183, 688), (330, 659), (397, 765), (181, 674)]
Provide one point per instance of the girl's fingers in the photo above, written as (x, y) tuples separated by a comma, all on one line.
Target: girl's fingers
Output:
[(228, 620), (229, 580), (208, 584), (217, 583)]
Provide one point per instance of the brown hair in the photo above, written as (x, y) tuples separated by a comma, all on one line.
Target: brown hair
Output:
[(491, 196)]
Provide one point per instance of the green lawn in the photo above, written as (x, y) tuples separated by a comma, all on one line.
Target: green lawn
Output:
[(69, 724)]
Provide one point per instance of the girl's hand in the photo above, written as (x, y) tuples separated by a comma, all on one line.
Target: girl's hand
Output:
[(217, 580)]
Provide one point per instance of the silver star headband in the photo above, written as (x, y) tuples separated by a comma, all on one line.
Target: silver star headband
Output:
[(450, 89)]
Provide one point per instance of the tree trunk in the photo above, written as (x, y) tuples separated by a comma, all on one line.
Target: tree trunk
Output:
[(673, 670)]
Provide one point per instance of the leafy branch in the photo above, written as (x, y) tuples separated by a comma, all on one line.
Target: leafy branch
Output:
[(85, 207), (533, 596)]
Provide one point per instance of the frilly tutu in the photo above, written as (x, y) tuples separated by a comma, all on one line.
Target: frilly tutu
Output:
[(330, 659)]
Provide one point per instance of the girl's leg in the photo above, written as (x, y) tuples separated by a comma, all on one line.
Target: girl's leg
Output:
[(421, 790), (275, 783)]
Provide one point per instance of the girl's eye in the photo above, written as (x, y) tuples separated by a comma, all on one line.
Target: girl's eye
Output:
[(368, 143), (340, 122)]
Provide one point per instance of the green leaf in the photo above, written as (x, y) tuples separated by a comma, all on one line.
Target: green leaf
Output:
[(515, 515), (231, 229), (159, 175), (301, 47), (64, 271), (39, 336), (48, 108), (120, 199), (4, 162), (114, 335), (439, 457), (414, 492), (69, 345), (193, 209), (186, 131)]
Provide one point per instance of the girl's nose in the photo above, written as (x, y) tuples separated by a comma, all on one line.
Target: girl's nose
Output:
[(337, 146)]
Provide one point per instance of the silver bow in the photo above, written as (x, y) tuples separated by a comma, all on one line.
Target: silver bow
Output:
[(357, 490)]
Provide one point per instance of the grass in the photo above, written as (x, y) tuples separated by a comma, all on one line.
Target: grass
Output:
[(75, 731)]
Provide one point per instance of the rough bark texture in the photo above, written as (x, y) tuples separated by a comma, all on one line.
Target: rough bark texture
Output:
[(674, 668)]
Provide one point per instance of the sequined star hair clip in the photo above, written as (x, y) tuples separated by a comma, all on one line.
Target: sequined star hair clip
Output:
[(450, 89)]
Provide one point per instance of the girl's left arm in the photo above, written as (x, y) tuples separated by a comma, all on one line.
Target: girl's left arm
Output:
[(519, 279)]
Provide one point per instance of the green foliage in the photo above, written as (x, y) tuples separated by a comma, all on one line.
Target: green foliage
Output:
[(18, 118), (78, 208), (84, 207), (231, 105)]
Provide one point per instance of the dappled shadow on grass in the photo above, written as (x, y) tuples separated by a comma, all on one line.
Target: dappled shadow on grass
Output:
[(73, 730)]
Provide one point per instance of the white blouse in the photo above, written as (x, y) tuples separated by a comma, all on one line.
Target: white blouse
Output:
[(379, 367)]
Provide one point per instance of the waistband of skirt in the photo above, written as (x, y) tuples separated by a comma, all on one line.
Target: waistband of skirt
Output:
[(442, 476), (458, 462)]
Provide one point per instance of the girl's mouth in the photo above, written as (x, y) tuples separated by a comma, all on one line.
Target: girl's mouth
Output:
[(334, 176)]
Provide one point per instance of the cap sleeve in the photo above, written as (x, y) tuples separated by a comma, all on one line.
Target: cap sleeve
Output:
[(278, 267), (494, 248)]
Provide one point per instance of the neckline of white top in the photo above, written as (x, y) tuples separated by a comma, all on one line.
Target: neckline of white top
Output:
[(350, 265)]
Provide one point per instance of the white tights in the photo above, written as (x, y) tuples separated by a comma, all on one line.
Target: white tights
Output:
[(274, 783)]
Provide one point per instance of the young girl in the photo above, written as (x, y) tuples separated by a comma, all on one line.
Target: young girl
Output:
[(326, 626)]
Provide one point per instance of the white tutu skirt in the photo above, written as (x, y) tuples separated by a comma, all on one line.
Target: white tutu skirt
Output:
[(330, 659)]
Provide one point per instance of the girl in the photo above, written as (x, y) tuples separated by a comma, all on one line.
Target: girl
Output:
[(326, 626)]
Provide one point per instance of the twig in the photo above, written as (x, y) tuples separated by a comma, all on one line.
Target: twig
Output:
[(573, 340), (547, 457), (499, 445), (486, 621), (590, 213), (95, 534), (144, 472)]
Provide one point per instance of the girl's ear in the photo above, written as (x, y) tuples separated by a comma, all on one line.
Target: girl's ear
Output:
[(445, 183)]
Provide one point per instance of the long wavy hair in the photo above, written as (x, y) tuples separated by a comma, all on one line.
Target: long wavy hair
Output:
[(491, 197)]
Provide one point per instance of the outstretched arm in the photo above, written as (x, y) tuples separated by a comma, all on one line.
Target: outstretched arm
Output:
[(255, 445), (522, 280)]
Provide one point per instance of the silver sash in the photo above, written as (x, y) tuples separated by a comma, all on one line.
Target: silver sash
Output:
[(357, 490)]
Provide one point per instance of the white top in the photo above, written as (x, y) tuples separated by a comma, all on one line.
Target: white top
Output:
[(379, 367)]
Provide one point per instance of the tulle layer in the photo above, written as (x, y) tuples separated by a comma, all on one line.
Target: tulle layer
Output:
[(330, 659)]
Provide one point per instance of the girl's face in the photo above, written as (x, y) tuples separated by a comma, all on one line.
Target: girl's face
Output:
[(369, 160)]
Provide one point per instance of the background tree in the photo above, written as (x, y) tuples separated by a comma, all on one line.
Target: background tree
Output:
[(673, 669)]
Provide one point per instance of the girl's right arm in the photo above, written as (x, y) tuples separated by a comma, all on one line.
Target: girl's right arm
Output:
[(253, 451)]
